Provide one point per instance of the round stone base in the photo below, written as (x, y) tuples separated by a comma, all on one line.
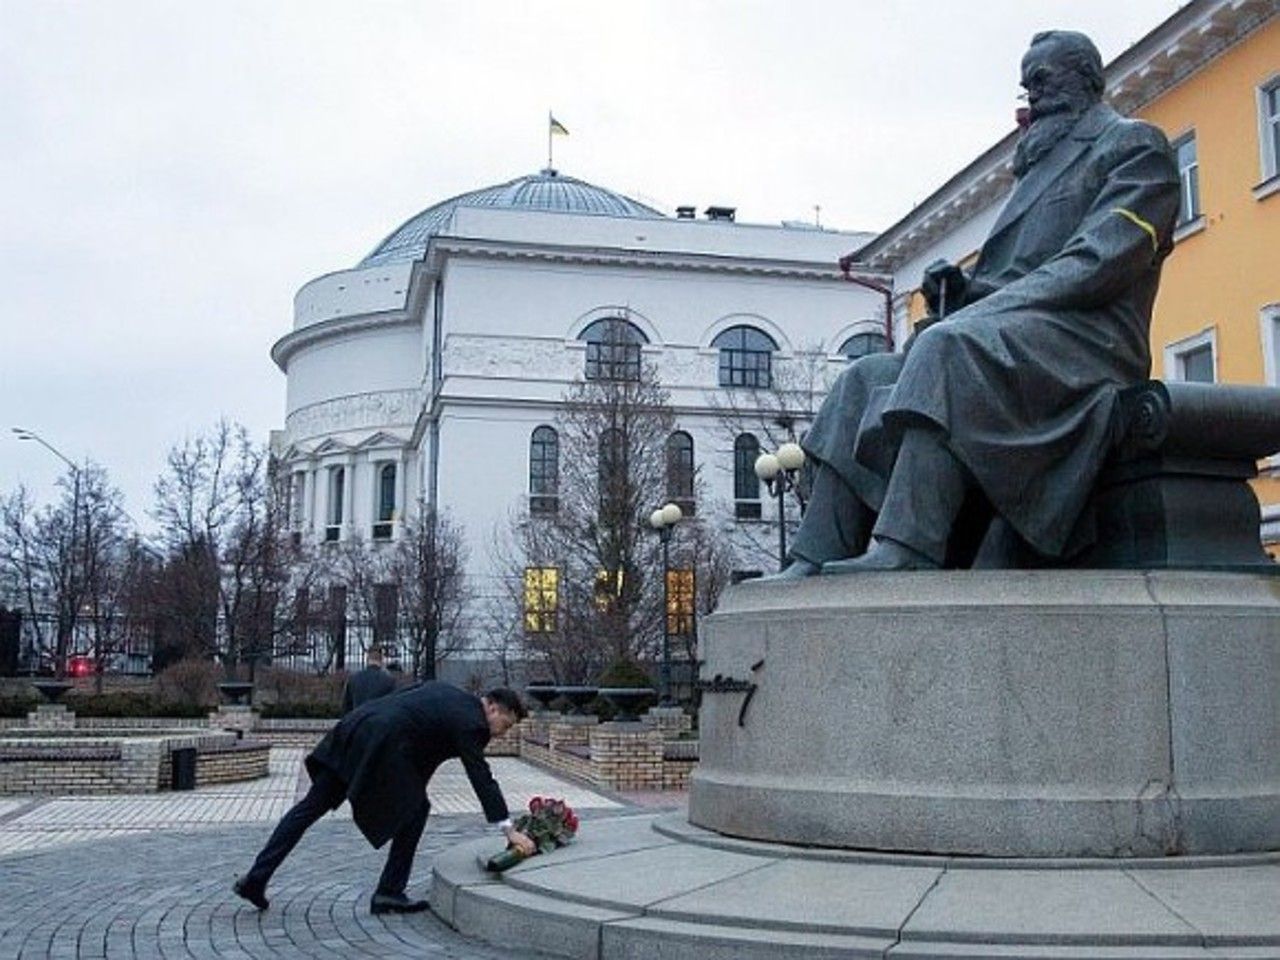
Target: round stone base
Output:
[(1002, 714), (636, 888)]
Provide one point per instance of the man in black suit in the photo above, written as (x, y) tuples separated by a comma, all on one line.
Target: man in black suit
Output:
[(369, 684), (381, 757)]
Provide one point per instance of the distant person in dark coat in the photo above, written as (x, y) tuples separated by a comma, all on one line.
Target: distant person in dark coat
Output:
[(370, 683), (381, 757)]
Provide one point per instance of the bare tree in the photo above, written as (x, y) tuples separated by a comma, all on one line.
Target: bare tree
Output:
[(222, 513), (584, 580), (65, 559), (413, 587), (776, 413)]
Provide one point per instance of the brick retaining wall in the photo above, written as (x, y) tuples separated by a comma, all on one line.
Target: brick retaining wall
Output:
[(617, 756)]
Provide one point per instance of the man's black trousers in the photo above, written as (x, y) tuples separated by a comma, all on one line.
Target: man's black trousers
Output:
[(327, 791)]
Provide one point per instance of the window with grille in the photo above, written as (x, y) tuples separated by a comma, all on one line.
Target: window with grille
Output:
[(746, 485), (613, 349), (746, 357), (863, 344), (1184, 149), (612, 478), (386, 502), (1269, 127), (544, 470), (680, 471), (337, 493)]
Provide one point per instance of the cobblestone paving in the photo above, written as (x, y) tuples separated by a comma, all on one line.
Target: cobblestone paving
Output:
[(149, 875), (165, 894)]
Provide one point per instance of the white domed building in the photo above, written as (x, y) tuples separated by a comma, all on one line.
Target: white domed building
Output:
[(431, 371)]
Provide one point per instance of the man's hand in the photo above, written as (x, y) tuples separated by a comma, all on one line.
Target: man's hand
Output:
[(521, 841), (938, 274)]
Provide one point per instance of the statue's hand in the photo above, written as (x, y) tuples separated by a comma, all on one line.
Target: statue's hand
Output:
[(938, 274)]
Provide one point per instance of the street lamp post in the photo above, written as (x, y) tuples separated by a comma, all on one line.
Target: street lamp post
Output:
[(63, 637), (664, 520), (779, 471)]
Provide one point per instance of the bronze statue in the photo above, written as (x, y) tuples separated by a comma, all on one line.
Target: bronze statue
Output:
[(1008, 406)]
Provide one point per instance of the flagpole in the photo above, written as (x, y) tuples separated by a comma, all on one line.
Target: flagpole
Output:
[(550, 165)]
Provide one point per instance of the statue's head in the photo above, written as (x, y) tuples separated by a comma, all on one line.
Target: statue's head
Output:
[(1062, 73)]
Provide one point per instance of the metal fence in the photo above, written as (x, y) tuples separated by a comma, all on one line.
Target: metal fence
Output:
[(135, 646)]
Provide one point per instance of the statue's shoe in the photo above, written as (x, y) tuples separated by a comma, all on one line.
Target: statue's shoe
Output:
[(883, 555), (796, 570)]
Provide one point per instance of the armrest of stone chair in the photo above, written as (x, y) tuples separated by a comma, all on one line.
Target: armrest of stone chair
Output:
[(1199, 421), (1175, 491)]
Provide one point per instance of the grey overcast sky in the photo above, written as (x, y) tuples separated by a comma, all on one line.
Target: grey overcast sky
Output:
[(172, 172)]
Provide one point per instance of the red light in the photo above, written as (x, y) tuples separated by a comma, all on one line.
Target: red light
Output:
[(79, 666)]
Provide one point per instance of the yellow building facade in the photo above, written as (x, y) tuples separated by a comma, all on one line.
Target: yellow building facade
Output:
[(1209, 76), (1218, 313)]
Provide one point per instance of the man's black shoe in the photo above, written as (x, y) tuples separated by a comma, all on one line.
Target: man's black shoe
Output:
[(395, 903), (252, 892)]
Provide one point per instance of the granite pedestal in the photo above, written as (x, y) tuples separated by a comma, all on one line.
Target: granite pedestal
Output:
[(1010, 714)]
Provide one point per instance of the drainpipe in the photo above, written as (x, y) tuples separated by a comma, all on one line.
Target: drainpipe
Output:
[(846, 268)]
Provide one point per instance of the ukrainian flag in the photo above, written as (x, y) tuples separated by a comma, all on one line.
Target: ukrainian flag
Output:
[(557, 126)]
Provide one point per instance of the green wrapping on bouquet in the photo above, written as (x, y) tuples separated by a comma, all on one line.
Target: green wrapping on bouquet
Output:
[(505, 860)]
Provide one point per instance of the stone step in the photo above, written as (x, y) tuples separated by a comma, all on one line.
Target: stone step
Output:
[(625, 890)]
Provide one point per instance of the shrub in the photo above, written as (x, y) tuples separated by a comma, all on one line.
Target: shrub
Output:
[(188, 683), (625, 673), (17, 706), (128, 704), (279, 685), (295, 711)]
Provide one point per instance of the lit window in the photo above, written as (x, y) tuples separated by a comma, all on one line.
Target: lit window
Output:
[(1269, 127), (680, 470), (613, 349), (386, 502), (746, 357), (544, 470), (608, 587), (541, 599), (680, 603), (863, 344), (746, 485), (1184, 149)]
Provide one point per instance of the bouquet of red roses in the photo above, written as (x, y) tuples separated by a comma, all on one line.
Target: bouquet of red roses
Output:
[(549, 824)]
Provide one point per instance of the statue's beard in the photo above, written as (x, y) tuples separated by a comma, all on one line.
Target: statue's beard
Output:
[(1043, 135)]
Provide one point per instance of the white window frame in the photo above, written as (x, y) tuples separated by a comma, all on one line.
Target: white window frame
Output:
[(1175, 353), (1195, 222), (1268, 124), (1269, 322), (1269, 327)]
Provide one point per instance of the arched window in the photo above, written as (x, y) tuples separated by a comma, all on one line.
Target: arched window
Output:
[(612, 475), (613, 349), (680, 470), (337, 491), (386, 502), (863, 344), (746, 485), (544, 470), (746, 357)]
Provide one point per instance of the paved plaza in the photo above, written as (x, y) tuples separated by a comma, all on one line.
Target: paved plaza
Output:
[(149, 875)]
